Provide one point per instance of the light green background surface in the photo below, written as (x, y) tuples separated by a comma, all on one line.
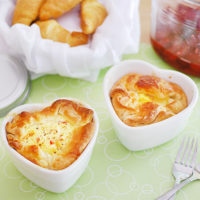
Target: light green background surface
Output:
[(114, 173)]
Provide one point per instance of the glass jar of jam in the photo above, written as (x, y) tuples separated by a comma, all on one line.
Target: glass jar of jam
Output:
[(175, 33)]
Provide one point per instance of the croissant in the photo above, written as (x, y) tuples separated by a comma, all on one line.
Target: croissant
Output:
[(26, 11), (55, 8), (50, 29), (77, 38), (92, 15)]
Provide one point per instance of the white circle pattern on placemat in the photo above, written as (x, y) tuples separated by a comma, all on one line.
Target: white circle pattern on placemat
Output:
[(59, 87), (27, 186), (102, 130), (96, 197), (117, 175), (156, 163), (79, 196), (102, 139), (88, 173), (76, 83), (146, 188), (114, 170), (49, 97), (143, 154), (125, 153), (11, 172), (2, 152), (97, 99), (40, 195)]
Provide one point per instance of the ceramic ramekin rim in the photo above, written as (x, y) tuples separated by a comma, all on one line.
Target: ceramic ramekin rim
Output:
[(154, 68), (40, 106)]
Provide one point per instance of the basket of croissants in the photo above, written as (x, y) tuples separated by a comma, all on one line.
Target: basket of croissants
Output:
[(74, 38), (44, 13)]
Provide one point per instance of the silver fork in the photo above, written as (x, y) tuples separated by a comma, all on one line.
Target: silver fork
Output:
[(185, 161), (195, 176)]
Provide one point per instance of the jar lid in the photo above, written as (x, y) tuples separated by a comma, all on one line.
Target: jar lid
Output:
[(14, 83)]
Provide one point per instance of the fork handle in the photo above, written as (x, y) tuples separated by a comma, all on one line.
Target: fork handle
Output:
[(171, 192), (174, 195)]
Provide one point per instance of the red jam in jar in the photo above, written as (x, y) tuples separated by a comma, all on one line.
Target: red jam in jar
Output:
[(176, 35)]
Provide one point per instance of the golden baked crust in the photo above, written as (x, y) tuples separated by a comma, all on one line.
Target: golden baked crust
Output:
[(54, 137), (143, 99)]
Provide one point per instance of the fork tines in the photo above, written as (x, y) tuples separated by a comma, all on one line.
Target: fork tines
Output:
[(187, 152)]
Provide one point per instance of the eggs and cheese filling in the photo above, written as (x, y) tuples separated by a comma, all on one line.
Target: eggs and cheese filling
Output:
[(51, 134), (54, 137), (143, 99)]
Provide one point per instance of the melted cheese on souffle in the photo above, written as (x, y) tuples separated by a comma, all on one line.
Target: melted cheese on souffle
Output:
[(54, 137)]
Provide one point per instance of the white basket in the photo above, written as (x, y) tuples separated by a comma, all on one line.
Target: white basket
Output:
[(119, 34)]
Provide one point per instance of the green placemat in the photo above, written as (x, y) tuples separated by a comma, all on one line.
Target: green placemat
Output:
[(114, 173)]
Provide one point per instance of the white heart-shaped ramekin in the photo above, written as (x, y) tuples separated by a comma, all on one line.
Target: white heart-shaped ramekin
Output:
[(52, 180), (144, 137)]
